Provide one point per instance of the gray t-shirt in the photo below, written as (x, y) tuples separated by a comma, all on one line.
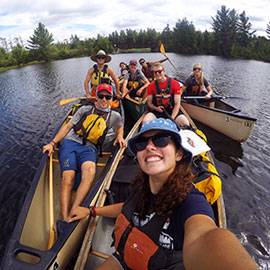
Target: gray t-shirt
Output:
[(114, 122), (138, 75)]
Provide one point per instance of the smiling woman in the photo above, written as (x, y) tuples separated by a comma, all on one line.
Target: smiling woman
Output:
[(166, 223)]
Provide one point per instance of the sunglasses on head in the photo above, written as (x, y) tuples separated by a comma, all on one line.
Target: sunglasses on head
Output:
[(101, 96), (159, 140), (158, 71), (196, 69)]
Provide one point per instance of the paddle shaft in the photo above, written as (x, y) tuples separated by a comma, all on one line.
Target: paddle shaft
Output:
[(52, 232), (162, 51)]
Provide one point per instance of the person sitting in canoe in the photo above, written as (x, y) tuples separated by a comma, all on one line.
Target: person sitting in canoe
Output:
[(123, 69), (79, 145), (147, 68), (166, 223), (100, 73), (164, 97), (196, 84), (135, 83)]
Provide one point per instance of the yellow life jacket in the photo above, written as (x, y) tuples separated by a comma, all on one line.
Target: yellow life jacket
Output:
[(92, 127), (100, 76), (207, 178)]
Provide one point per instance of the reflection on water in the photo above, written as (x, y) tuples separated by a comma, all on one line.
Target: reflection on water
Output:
[(29, 112)]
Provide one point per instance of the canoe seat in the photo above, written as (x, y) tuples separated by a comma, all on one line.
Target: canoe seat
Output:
[(106, 153), (100, 254), (99, 164), (236, 111)]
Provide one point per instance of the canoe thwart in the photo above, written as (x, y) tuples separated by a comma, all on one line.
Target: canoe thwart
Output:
[(100, 254)]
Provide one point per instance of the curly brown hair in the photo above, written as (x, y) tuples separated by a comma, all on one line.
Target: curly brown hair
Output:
[(174, 191)]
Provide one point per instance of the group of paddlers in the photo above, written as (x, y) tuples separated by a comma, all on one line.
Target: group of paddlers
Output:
[(166, 223)]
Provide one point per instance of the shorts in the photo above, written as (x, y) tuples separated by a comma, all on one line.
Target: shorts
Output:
[(73, 154), (119, 260)]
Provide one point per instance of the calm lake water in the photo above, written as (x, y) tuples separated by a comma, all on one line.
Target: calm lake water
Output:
[(29, 113)]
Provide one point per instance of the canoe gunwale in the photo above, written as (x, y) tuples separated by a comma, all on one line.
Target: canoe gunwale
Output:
[(221, 111)]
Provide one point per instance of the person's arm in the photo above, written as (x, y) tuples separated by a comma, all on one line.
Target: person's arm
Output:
[(210, 91), (120, 137), (58, 137), (116, 81), (208, 88), (146, 83), (151, 106), (176, 108), (124, 88), (159, 61), (86, 82), (111, 211), (207, 247)]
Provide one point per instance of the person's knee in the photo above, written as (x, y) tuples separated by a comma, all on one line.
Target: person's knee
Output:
[(88, 168), (149, 117), (182, 121)]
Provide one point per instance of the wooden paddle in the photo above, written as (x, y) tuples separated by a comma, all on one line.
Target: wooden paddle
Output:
[(63, 102), (88, 239), (162, 51), (52, 230)]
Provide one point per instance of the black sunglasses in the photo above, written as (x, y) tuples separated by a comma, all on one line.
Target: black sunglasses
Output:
[(159, 140), (101, 57), (108, 97), (196, 69), (158, 71)]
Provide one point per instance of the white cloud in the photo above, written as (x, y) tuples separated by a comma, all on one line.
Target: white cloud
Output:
[(88, 18)]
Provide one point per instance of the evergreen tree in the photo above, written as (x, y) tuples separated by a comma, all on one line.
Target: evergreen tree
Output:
[(244, 29), (225, 26), (40, 43), (184, 37), (166, 37)]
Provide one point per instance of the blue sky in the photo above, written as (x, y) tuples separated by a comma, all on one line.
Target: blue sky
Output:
[(89, 18)]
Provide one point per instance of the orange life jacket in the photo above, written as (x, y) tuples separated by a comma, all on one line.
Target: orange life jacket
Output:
[(138, 246)]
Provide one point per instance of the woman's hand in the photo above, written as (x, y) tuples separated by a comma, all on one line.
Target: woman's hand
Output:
[(78, 213)]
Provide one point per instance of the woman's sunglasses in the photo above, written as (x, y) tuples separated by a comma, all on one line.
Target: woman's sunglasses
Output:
[(101, 57), (196, 69), (159, 140), (108, 97)]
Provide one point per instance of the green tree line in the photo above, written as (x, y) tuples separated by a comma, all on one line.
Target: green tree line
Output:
[(231, 36)]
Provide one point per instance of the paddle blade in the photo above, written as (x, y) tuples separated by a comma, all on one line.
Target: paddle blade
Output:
[(52, 237), (64, 102), (162, 49)]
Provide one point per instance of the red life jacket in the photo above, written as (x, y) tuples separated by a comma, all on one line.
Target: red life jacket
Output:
[(139, 246), (164, 97)]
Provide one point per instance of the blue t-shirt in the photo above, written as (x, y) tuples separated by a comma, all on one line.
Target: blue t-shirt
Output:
[(172, 234)]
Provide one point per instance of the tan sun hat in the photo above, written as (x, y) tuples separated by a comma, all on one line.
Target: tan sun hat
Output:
[(102, 54)]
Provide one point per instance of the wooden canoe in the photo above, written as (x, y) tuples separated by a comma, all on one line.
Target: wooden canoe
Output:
[(29, 246), (100, 229), (222, 117)]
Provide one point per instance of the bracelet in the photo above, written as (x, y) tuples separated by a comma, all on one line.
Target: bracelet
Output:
[(92, 211), (53, 143)]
